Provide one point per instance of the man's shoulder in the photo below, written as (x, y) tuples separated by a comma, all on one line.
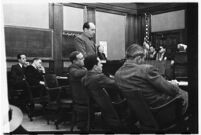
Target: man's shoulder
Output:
[(94, 75), (15, 66), (30, 67), (73, 66), (78, 37)]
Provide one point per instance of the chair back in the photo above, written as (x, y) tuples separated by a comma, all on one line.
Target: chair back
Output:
[(138, 106), (109, 114), (51, 84), (169, 113), (154, 119), (51, 80)]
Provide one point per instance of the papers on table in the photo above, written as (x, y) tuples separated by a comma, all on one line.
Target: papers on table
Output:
[(62, 77), (183, 83)]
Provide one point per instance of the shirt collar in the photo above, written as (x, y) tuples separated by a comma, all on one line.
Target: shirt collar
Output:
[(20, 65)]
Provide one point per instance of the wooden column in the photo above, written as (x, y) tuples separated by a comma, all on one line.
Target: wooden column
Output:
[(51, 9), (91, 15), (57, 37), (91, 18), (133, 30), (192, 51)]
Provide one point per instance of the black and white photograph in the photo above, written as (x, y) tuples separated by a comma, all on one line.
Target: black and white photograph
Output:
[(118, 67)]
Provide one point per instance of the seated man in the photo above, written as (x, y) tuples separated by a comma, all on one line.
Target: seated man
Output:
[(17, 77), (96, 80), (101, 53), (97, 83), (76, 72), (34, 74), (134, 75)]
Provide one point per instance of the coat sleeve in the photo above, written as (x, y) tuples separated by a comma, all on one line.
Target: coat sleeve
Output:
[(32, 76), (106, 82), (79, 73), (160, 83), (80, 46), (13, 75)]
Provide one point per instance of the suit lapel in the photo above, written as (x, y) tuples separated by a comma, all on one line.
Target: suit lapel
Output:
[(20, 68)]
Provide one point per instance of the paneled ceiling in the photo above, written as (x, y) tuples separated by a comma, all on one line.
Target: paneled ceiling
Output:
[(134, 8)]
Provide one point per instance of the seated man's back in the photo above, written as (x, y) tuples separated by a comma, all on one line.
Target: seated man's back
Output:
[(136, 76)]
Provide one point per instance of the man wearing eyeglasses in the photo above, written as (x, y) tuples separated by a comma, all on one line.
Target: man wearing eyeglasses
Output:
[(80, 98)]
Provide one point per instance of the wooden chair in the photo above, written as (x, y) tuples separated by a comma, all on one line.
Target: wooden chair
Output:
[(15, 96), (161, 119), (24, 99), (54, 92), (109, 115), (38, 103), (58, 102)]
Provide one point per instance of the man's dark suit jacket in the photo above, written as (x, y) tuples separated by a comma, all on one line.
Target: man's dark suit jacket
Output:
[(17, 74), (95, 82), (145, 78), (102, 56), (85, 45), (33, 76), (75, 74)]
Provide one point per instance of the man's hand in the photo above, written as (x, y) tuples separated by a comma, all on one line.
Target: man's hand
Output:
[(174, 82), (26, 64), (42, 69), (42, 82)]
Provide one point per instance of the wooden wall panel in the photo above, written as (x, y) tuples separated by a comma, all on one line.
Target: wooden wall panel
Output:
[(134, 29)]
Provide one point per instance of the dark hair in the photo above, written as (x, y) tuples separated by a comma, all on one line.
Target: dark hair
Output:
[(35, 59), (19, 55), (134, 50), (86, 25), (90, 61), (73, 56)]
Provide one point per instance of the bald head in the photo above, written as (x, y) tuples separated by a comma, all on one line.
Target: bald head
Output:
[(89, 29)]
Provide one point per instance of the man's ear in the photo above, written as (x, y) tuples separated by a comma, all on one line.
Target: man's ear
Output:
[(74, 61), (94, 67), (138, 59)]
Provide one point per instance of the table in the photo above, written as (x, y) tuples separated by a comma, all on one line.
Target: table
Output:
[(183, 85), (62, 80)]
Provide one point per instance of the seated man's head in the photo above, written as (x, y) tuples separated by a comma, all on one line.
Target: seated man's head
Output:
[(152, 49), (135, 53), (93, 63), (77, 58), (37, 62), (162, 49), (22, 58), (101, 49)]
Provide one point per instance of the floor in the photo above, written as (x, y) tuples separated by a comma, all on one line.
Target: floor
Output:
[(40, 124)]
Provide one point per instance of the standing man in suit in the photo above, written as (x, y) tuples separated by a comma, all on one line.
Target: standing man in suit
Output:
[(136, 76), (84, 43), (17, 76), (34, 74)]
